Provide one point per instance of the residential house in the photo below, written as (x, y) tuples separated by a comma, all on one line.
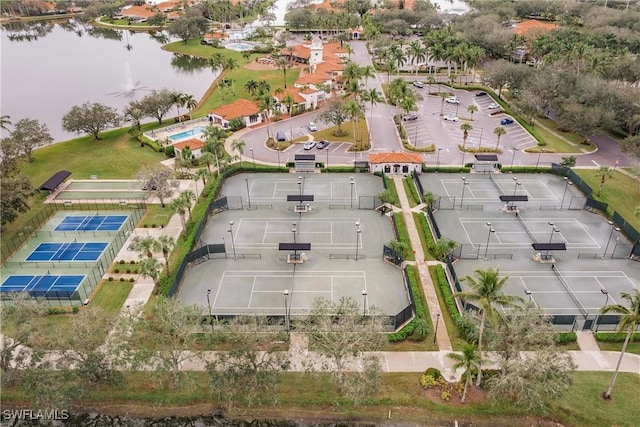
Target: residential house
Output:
[(248, 110), (194, 144), (299, 101), (395, 163)]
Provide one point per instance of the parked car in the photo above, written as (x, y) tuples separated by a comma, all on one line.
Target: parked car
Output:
[(312, 127), (481, 94), (280, 136), (450, 118), (452, 100), (493, 106), (410, 117), (309, 145), (322, 144), (418, 84), (506, 121)]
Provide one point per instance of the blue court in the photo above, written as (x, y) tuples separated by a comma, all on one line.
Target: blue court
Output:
[(74, 251), (40, 286), (91, 223)]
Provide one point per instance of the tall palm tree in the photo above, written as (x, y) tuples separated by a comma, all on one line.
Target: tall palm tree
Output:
[(179, 206), (417, 53), (471, 361), (398, 55), (603, 173), (150, 267), (472, 108), (283, 64), (135, 114), (430, 81), (486, 290), (289, 102), (190, 102), (189, 196), (373, 96), (238, 145), (251, 86), (231, 64), (5, 122), (353, 111), (267, 104), (629, 321), (178, 99), (499, 131), (202, 174), (367, 72), (147, 246), (166, 244), (443, 96), (465, 128), (207, 158)]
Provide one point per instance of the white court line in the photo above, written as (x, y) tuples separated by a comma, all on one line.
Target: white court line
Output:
[(219, 287), (253, 286)]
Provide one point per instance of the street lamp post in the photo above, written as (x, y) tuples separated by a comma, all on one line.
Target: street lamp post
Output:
[(246, 180), (438, 159), (539, 154), (606, 301), (554, 229), (364, 304), (358, 231), (352, 182), (435, 334), (480, 143), (253, 159), (464, 185), (515, 186), (293, 230), (415, 139), (513, 157), (286, 310), (567, 183), (327, 165), (278, 150), (613, 228), (210, 312), (491, 230), (528, 293), (233, 243), (300, 185)]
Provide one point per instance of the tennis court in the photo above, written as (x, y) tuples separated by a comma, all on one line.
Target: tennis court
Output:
[(91, 223), (74, 251), (42, 285)]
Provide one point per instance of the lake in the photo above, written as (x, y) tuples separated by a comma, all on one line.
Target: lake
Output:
[(47, 68)]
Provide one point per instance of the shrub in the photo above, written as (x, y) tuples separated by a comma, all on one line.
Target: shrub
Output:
[(110, 279), (128, 271), (116, 270), (465, 326), (420, 331), (616, 337), (132, 262), (54, 310), (122, 279), (131, 280), (566, 337), (170, 151), (75, 309), (121, 261), (428, 381), (153, 225), (434, 372)]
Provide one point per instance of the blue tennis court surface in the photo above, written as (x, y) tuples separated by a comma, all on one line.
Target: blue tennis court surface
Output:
[(39, 286), (75, 251), (91, 223)]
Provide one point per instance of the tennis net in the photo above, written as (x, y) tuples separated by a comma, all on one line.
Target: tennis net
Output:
[(496, 184), (573, 296), (524, 225)]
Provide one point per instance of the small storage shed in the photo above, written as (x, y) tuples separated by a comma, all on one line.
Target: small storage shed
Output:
[(395, 163)]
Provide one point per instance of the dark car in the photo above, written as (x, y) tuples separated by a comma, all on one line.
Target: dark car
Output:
[(506, 121), (481, 94), (280, 136), (322, 144)]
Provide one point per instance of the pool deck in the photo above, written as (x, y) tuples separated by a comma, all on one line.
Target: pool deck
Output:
[(162, 135)]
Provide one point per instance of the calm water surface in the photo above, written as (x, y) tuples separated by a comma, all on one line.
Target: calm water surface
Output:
[(67, 64)]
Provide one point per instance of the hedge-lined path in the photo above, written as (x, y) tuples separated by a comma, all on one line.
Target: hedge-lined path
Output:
[(442, 337)]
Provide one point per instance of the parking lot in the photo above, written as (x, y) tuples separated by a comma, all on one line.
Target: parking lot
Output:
[(432, 128)]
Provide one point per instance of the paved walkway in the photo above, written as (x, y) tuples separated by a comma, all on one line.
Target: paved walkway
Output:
[(442, 338)]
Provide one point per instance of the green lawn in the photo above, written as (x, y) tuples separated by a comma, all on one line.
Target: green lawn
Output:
[(110, 296), (632, 347), (619, 192), (156, 216), (347, 128)]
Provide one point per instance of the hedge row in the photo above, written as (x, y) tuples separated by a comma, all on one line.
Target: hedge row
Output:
[(566, 337), (446, 169), (616, 337), (465, 328), (419, 307), (527, 169), (413, 189), (390, 185), (426, 232), (403, 236)]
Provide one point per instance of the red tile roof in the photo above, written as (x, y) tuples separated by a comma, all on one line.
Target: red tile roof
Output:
[(312, 79), (238, 108), (138, 11), (395, 158), (193, 144), (294, 92)]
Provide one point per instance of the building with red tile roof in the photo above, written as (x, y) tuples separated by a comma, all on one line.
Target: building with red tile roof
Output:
[(395, 163), (244, 108), (194, 144)]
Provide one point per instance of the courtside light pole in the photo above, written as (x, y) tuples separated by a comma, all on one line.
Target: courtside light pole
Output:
[(246, 180), (210, 312), (566, 185), (358, 231), (464, 185), (233, 243)]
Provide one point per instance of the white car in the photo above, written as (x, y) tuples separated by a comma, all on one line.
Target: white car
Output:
[(452, 100), (418, 84), (309, 145), (450, 118), (312, 127), (493, 106)]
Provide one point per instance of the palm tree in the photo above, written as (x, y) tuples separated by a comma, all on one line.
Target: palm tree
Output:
[(251, 86), (430, 81), (471, 361), (5, 122), (367, 72), (202, 174), (417, 53), (486, 289), (190, 102), (283, 64), (135, 114), (499, 131), (472, 108), (178, 99), (267, 104), (465, 128), (352, 110), (147, 246), (166, 244), (231, 64), (238, 145), (189, 196), (179, 206), (443, 96), (289, 102), (150, 267), (604, 172), (373, 96), (629, 320), (207, 158)]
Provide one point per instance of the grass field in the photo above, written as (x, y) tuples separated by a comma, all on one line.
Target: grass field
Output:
[(110, 296), (619, 192), (632, 347)]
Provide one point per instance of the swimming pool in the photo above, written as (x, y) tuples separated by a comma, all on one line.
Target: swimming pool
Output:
[(196, 131), (94, 195), (240, 47)]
